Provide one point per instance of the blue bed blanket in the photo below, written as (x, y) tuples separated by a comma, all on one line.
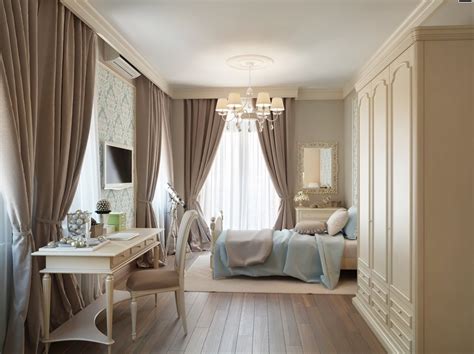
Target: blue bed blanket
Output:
[(312, 259)]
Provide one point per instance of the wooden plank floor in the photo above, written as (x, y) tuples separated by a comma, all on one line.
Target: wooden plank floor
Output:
[(238, 323)]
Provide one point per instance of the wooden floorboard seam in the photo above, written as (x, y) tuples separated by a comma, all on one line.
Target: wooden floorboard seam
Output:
[(237, 322)]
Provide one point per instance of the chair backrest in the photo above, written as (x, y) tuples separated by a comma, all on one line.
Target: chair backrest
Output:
[(183, 234)]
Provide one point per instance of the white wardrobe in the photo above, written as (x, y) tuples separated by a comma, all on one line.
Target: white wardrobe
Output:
[(416, 228)]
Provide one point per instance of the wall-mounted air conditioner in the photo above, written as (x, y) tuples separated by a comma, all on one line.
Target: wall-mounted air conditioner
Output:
[(114, 58)]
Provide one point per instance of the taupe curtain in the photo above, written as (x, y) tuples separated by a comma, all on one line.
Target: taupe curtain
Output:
[(277, 145), (153, 110), (203, 129), (167, 150), (18, 122), (67, 60), (152, 106)]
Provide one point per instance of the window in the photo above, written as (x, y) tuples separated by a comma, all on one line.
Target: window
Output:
[(86, 197), (88, 187), (239, 183), (161, 203)]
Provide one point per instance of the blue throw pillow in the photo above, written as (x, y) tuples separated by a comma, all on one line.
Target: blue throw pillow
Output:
[(350, 230)]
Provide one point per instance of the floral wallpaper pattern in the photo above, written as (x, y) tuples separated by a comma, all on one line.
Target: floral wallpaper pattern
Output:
[(116, 123)]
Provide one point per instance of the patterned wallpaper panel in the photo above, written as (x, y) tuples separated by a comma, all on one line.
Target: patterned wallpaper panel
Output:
[(116, 123)]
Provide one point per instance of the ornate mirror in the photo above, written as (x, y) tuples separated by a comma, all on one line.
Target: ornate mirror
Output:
[(317, 167)]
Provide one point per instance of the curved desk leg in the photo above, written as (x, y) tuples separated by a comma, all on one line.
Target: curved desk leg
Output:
[(46, 308), (109, 296)]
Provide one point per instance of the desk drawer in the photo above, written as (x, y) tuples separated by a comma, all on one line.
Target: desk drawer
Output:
[(137, 248), (122, 257), (150, 241)]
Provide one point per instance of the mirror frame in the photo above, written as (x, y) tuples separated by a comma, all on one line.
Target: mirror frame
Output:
[(334, 167)]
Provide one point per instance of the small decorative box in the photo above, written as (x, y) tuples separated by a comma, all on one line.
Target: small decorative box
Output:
[(119, 220)]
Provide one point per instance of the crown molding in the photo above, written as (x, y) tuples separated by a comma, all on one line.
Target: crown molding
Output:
[(293, 92), (443, 33), (348, 88), (400, 38), (87, 13), (218, 92), (396, 39), (319, 94), (432, 33)]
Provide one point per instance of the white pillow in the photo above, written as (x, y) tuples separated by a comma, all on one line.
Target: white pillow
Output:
[(337, 221)]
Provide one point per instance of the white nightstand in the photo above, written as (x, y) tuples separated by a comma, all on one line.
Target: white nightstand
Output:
[(321, 214)]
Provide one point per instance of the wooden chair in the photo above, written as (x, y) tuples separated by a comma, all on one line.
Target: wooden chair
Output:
[(154, 281)]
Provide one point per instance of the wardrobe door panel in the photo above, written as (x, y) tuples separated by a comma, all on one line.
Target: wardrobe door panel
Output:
[(364, 177), (380, 165), (401, 78)]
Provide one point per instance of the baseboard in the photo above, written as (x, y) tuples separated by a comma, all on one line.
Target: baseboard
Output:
[(379, 331)]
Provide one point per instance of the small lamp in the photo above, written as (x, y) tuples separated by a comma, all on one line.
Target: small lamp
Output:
[(277, 105), (263, 100), (234, 102), (221, 106)]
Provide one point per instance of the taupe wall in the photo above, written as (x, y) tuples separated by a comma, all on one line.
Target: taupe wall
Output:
[(451, 12), (320, 121), (314, 121), (348, 153)]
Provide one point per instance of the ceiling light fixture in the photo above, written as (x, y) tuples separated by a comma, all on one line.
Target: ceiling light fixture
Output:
[(237, 109)]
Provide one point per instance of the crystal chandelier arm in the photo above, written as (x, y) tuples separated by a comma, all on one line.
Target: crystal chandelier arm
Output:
[(277, 115), (226, 119)]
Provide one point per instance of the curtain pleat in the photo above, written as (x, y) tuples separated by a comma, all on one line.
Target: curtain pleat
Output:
[(18, 123), (153, 110), (67, 60), (276, 147), (203, 129)]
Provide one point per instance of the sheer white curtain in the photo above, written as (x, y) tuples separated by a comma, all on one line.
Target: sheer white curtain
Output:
[(165, 175), (239, 183), (88, 188), (86, 197), (5, 269)]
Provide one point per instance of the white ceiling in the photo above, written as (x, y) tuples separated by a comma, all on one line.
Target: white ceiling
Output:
[(317, 44)]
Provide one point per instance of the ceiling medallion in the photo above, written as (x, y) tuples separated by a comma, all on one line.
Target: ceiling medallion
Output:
[(238, 109)]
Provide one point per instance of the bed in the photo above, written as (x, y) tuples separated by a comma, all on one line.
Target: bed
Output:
[(314, 259)]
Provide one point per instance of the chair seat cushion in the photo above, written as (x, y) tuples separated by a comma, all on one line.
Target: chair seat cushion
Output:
[(152, 279)]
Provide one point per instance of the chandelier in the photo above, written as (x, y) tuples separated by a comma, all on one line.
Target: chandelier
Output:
[(241, 111)]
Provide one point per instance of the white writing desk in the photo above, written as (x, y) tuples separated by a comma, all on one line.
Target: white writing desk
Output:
[(106, 260)]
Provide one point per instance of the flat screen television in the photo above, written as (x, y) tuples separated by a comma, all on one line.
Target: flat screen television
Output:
[(118, 166)]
